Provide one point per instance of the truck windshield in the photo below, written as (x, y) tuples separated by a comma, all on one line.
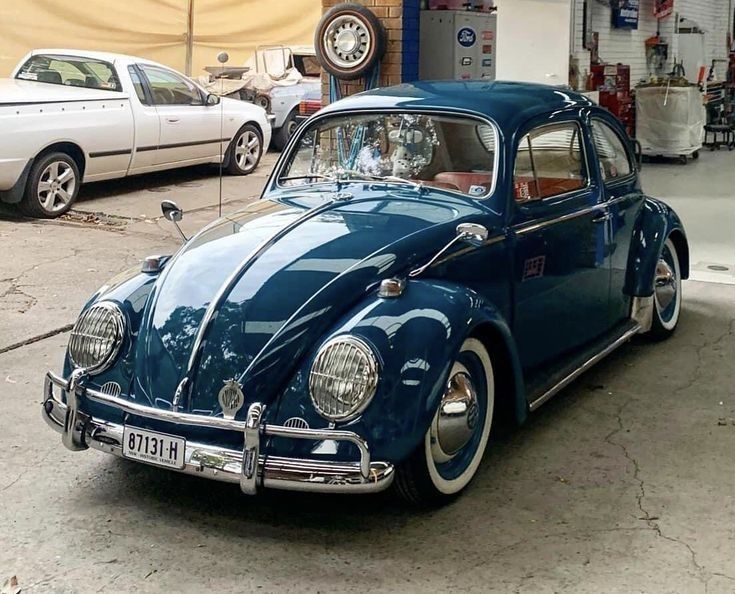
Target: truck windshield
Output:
[(448, 152), (74, 71)]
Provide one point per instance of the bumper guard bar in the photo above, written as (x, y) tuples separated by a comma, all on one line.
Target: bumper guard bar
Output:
[(248, 467)]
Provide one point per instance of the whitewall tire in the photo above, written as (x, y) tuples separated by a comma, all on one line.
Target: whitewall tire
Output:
[(446, 461)]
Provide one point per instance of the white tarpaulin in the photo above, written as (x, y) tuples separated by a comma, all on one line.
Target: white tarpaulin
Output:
[(670, 120), (155, 29)]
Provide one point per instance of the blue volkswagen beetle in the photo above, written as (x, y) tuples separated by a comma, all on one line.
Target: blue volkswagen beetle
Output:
[(425, 260)]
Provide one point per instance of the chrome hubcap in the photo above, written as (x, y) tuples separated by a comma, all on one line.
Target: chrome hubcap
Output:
[(666, 284), (347, 41), (457, 418), (56, 186), (247, 151)]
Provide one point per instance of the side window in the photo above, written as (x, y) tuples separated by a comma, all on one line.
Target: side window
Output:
[(614, 159), (138, 85), (169, 88), (550, 162)]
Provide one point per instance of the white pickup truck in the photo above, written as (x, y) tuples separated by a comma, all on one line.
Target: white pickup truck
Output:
[(69, 117)]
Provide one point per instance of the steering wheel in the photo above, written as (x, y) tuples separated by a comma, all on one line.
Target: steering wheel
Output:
[(164, 96)]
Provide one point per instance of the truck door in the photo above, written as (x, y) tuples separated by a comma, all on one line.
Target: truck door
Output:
[(190, 130)]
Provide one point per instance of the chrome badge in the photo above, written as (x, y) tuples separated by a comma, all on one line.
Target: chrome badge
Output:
[(231, 398)]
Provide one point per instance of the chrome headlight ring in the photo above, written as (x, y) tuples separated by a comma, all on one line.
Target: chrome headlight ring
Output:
[(343, 378), (97, 337)]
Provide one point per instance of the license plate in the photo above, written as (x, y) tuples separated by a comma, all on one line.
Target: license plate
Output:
[(154, 448)]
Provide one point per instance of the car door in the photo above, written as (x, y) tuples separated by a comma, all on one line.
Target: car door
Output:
[(147, 125), (561, 267), (190, 129), (623, 198)]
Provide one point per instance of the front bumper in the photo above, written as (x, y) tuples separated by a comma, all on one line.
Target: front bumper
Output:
[(248, 467)]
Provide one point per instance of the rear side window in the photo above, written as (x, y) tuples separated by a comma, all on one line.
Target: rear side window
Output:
[(614, 159), (550, 162), (71, 71)]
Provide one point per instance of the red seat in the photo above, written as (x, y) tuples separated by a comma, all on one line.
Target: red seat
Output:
[(464, 180)]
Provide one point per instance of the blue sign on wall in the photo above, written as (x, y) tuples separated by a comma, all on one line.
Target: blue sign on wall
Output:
[(625, 14), (466, 37)]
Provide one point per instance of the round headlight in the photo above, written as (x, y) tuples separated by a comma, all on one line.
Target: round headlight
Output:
[(96, 337), (264, 102), (343, 378)]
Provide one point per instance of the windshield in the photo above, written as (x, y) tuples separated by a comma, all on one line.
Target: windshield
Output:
[(453, 153), (71, 71)]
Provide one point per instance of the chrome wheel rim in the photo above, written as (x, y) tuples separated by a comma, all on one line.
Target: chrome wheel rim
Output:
[(457, 418), (667, 285), (347, 41), (56, 186), (454, 446), (247, 151)]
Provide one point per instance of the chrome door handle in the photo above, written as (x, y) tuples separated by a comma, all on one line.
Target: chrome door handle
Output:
[(603, 218)]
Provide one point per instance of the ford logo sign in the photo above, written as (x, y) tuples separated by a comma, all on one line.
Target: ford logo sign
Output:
[(466, 37)]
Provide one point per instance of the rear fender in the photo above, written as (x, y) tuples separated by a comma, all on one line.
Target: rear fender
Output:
[(416, 338), (656, 223)]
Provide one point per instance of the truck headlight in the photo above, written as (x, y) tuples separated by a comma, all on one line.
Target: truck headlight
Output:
[(343, 378), (97, 337)]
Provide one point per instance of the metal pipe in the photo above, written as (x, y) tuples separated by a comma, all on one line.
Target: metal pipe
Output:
[(189, 38)]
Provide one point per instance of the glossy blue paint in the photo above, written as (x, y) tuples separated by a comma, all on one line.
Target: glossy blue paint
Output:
[(319, 279), (656, 221), (417, 338)]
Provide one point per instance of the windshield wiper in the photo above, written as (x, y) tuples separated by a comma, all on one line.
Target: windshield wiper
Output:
[(309, 176), (418, 186)]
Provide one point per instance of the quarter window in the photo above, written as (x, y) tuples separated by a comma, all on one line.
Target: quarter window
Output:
[(168, 88), (137, 85), (614, 159), (550, 162)]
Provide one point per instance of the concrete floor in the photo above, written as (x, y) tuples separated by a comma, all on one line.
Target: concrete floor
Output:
[(623, 483)]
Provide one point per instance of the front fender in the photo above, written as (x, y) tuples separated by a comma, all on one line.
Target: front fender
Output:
[(656, 222), (416, 337)]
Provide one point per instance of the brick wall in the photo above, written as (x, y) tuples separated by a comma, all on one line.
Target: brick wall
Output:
[(390, 12)]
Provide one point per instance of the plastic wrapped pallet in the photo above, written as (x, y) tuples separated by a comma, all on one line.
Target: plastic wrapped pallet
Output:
[(669, 120)]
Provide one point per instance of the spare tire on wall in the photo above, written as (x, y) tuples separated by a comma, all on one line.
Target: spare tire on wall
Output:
[(349, 41)]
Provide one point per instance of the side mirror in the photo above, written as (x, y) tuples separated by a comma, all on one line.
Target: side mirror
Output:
[(472, 233), (172, 212), (212, 100)]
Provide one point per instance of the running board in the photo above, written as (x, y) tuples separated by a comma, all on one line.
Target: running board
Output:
[(628, 333)]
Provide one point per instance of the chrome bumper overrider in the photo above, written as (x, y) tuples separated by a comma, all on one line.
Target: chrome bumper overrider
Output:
[(248, 466)]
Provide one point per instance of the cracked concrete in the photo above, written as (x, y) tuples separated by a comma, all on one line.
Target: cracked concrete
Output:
[(622, 483)]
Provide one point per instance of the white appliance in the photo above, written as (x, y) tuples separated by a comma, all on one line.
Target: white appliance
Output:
[(458, 45)]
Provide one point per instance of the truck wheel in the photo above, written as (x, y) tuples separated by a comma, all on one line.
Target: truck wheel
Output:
[(52, 188), (245, 151), (447, 458), (285, 132), (349, 41)]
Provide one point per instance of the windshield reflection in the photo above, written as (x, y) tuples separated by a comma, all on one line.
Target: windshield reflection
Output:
[(424, 150)]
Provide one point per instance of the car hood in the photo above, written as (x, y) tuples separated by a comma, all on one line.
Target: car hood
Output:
[(310, 268), (28, 91)]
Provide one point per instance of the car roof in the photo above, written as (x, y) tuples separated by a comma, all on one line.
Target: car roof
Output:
[(509, 104), (123, 59)]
